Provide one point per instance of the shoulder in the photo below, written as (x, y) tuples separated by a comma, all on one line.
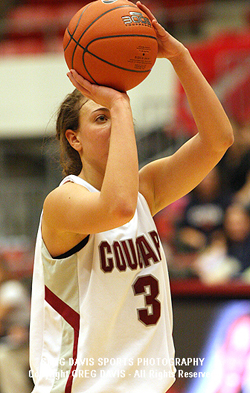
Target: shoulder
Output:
[(62, 212), (63, 193), (59, 200)]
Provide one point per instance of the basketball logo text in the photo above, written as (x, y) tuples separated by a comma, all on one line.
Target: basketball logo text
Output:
[(136, 18)]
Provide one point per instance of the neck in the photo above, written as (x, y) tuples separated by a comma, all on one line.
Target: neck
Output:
[(92, 176)]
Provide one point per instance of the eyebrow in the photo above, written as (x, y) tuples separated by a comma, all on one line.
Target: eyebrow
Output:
[(101, 109)]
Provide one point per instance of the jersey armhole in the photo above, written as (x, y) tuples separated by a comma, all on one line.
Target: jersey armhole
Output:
[(74, 249)]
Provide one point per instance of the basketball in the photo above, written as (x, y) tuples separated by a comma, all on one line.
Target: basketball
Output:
[(111, 43)]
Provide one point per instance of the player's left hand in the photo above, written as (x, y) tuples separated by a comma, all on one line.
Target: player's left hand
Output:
[(168, 46)]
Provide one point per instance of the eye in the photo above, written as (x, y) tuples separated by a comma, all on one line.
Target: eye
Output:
[(101, 119)]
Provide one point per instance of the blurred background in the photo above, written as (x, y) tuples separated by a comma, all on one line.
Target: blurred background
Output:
[(206, 235)]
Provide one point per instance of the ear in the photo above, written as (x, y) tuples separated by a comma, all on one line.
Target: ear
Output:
[(73, 139)]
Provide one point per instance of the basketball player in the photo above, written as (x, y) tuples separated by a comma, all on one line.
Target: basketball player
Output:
[(101, 317)]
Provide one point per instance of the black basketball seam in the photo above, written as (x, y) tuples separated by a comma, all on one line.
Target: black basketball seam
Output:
[(85, 50), (113, 65), (111, 36), (106, 12), (71, 36), (89, 72)]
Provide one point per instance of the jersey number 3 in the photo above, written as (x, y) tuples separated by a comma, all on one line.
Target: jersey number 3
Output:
[(148, 286)]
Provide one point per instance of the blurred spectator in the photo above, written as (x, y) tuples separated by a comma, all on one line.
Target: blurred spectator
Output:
[(188, 228), (237, 232), (14, 322), (243, 195), (213, 265), (212, 237), (228, 256), (235, 165), (204, 214)]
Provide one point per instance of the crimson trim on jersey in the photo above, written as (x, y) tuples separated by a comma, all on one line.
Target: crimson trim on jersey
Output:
[(73, 318), (70, 315), (71, 376), (74, 249)]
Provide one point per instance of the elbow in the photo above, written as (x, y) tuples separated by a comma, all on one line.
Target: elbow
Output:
[(226, 140), (117, 210), (230, 138), (123, 212)]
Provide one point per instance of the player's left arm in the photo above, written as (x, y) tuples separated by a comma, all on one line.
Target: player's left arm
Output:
[(168, 179)]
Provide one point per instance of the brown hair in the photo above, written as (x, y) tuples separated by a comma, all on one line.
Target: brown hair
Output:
[(68, 118)]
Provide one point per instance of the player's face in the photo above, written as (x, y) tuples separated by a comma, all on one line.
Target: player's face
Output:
[(94, 131)]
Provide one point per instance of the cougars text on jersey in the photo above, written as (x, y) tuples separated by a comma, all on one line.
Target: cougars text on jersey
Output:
[(126, 254)]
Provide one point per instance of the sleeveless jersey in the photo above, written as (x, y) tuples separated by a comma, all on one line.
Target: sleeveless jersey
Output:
[(101, 314)]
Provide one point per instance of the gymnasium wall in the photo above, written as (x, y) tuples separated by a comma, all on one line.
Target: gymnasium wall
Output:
[(32, 88)]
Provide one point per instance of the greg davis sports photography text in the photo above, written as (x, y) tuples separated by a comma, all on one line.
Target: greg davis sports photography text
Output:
[(157, 368)]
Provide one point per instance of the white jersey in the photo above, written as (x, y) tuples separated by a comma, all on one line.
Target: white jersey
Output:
[(101, 316)]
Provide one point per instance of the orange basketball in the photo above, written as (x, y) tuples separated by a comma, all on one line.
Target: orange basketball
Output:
[(111, 43)]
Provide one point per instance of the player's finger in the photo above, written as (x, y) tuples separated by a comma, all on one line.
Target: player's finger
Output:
[(79, 86), (82, 81), (145, 10)]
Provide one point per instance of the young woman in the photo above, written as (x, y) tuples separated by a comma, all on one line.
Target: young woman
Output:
[(101, 308)]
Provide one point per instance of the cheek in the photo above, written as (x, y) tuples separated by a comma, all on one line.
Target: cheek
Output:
[(102, 135), (96, 141)]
